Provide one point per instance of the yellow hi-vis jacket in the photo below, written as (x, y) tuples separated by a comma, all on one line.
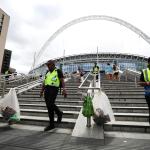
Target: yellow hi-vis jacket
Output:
[(95, 70), (146, 73), (52, 79)]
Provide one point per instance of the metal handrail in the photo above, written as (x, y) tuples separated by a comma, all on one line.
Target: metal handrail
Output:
[(24, 87), (3, 85), (94, 80), (4, 81), (91, 89), (132, 74)]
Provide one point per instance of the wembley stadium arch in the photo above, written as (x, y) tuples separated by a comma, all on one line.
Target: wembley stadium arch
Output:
[(88, 18), (85, 61)]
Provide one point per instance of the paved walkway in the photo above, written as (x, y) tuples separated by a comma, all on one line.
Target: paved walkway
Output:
[(33, 138)]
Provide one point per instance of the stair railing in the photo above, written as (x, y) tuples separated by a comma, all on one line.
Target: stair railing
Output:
[(27, 86), (12, 78), (3, 86), (94, 85), (132, 75)]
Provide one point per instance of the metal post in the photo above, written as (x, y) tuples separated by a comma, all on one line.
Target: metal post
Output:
[(135, 81), (3, 88), (94, 81), (126, 75), (88, 118), (88, 122)]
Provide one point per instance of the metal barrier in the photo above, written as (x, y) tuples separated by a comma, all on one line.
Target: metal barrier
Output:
[(20, 78), (94, 85), (3, 85), (25, 87), (132, 75)]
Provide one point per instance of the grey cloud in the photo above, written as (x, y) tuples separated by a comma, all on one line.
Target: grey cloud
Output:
[(24, 57), (43, 14), (48, 11), (16, 35)]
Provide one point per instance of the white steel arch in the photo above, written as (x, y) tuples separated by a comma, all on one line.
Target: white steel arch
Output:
[(87, 18)]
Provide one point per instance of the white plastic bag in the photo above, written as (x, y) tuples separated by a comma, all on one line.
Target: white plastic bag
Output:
[(10, 101), (102, 109)]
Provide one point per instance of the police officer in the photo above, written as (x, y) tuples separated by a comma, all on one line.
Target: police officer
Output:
[(53, 79), (95, 70), (145, 81)]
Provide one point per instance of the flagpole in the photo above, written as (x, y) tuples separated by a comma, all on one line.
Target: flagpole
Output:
[(63, 60), (97, 54)]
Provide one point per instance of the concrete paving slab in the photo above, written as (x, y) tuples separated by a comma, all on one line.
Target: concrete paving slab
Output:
[(22, 139), (81, 129)]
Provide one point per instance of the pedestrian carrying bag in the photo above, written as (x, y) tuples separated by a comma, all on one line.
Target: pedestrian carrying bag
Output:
[(87, 110)]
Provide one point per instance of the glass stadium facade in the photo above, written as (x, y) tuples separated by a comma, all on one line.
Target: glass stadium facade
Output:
[(86, 62)]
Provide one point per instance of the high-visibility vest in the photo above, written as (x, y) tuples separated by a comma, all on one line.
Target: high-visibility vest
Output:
[(146, 73), (95, 70), (52, 79)]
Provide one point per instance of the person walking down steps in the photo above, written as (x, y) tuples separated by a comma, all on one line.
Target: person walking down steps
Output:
[(145, 81), (53, 79)]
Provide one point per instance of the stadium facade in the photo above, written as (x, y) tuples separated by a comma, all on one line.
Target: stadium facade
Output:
[(86, 62)]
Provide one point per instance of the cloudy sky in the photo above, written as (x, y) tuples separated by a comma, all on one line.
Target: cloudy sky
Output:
[(33, 22)]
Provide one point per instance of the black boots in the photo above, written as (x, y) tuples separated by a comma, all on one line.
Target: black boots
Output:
[(59, 117), (50, 127)]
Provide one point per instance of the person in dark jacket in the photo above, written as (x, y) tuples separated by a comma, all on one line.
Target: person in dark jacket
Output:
[(53, 78), (96, 70), (145, 82)]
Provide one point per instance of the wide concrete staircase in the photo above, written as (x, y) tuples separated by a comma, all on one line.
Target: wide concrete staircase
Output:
[(34, 111), (128, 104)]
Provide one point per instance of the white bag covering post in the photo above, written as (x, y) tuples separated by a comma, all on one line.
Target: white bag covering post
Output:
[(10, 100), (102, 109)]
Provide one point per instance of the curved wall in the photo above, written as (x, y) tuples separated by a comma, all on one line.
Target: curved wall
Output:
[(86, 62)]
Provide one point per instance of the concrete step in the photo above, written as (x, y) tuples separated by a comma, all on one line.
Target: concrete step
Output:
[(113, 87), (130, 103), (128, 126), (105, 81), (43, 107), (138, 117), (44, 121), (122, 90), (127, 99), (119, 85), (73, 96), (67, 87), (58, 101), (118, 109), (38, 92), (44, 113), (42, 99), (124, 93), (127, 96)]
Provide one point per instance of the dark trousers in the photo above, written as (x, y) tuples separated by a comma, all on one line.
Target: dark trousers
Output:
[(50, 95), (147, 97), (97, 77)]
